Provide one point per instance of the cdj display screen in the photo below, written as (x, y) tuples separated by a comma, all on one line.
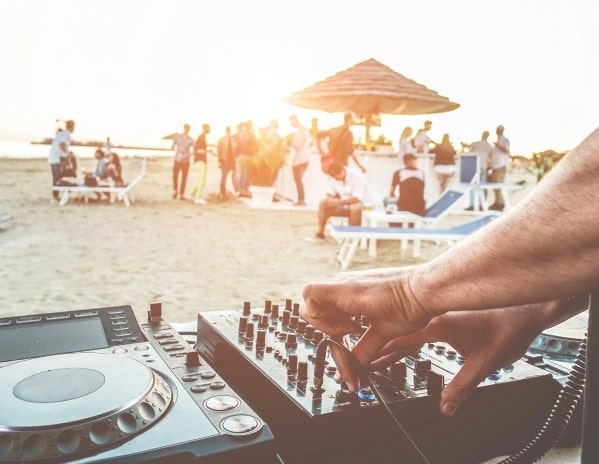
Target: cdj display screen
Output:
[(56, 337)]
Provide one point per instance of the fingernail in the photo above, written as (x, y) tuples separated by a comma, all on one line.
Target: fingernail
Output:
[(448, 409)]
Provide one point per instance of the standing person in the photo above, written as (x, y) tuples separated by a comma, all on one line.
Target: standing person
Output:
[(341, 142), (200, 165), (489, 295), (59, 150), (225, 151), (482, 148), (422, 141), (183, 146), (245, 147), (405, 144), (500, 158), (444, 163), (345, 198), (107, 146), (300, 144)]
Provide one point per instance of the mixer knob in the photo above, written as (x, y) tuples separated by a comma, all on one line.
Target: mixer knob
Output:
[(293, 321), (301, 326), (243, 323), (286, 317), (155, 313), (192, 359), (434, 384), (261, 337), (263, 320), (398, 371), (302, 371), (288, 303), (422, 367), (275, 311), (249, 331), (291, 340), (247, 308), (318, 336), (309, 332), (267, 307), (295, 310), (292, 364)]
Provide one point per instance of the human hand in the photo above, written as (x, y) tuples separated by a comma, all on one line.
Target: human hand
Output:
[(488, 339), (382, 295)]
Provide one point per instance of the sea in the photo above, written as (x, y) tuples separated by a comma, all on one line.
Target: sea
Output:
[(18, 149)]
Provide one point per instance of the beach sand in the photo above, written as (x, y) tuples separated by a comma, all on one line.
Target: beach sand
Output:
[(189, 257)]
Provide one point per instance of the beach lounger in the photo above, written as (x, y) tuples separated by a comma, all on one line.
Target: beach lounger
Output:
[(352, 235), (121, 193)]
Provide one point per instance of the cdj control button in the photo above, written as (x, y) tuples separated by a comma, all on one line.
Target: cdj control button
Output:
[(119, 351), (189, 378), (240, 424), (198, 388), (142, 348), (168, 341), (28, 319), (120, 323), (85, 313), (207, 375), (222, 403), (163, 335), (116, 311), (117, 341), (173, 347), (56, 317), (217, 385), (122, 332), (5, 321)]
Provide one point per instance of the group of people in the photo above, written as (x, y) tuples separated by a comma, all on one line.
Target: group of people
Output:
[(235, 151), (63, 162)]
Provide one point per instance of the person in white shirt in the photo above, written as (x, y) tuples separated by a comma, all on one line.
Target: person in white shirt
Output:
[(59, 150), (405, 144), (422, 141), (500, 158), (345, 198)]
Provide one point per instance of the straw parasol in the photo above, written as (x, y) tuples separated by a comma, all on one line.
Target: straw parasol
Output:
[(369, 89)]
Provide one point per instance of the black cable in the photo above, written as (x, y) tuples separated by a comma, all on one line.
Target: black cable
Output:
[(364, 376)]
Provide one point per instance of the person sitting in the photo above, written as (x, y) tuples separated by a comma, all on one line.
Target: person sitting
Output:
[(114, 170), (345, 197), (68, 170), (409, 181)]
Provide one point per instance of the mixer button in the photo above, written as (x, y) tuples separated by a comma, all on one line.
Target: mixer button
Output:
[(189, 378), (198, 388), (217, 385), (207, 375)]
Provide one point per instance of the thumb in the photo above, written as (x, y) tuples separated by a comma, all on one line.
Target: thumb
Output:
[(462, 386)]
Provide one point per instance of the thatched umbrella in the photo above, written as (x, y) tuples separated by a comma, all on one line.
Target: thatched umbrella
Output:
[(369, 89)]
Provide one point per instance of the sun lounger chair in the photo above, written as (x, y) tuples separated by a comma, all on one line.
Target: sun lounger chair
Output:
[(352, 235), (121, 193)]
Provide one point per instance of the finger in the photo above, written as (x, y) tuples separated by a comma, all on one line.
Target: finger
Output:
[(345, 368), (368, 346), (472, 373)]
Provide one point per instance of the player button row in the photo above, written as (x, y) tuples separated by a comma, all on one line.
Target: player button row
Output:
[(203, 375), (121, 341), (202, 387)]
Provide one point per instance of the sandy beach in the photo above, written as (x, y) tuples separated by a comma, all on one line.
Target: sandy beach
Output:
[(189, 257)]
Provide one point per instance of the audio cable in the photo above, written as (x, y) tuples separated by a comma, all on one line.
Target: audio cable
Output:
[(363, 374)]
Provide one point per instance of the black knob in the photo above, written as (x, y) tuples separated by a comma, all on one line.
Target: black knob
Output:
[(422, 367), (247, 306), (155, 313), (301, 326), (291, 340), (295, 310), (261, 337), (309, 332), (192, 359), (292, 364), (288, 303), (434, 384), (267, 307), (293, 320), (286, 317), (302, 370), (264, 321), (249, 331), (398, 371), (243, 323), (318, 336), (275, 311)]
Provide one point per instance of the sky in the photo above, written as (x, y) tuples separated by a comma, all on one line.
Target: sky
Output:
[(137, 70)]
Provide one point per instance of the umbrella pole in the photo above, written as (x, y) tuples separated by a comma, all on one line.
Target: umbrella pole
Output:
[(367, 137)]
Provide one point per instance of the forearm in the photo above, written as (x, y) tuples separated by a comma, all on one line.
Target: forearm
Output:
[(546, 248)]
